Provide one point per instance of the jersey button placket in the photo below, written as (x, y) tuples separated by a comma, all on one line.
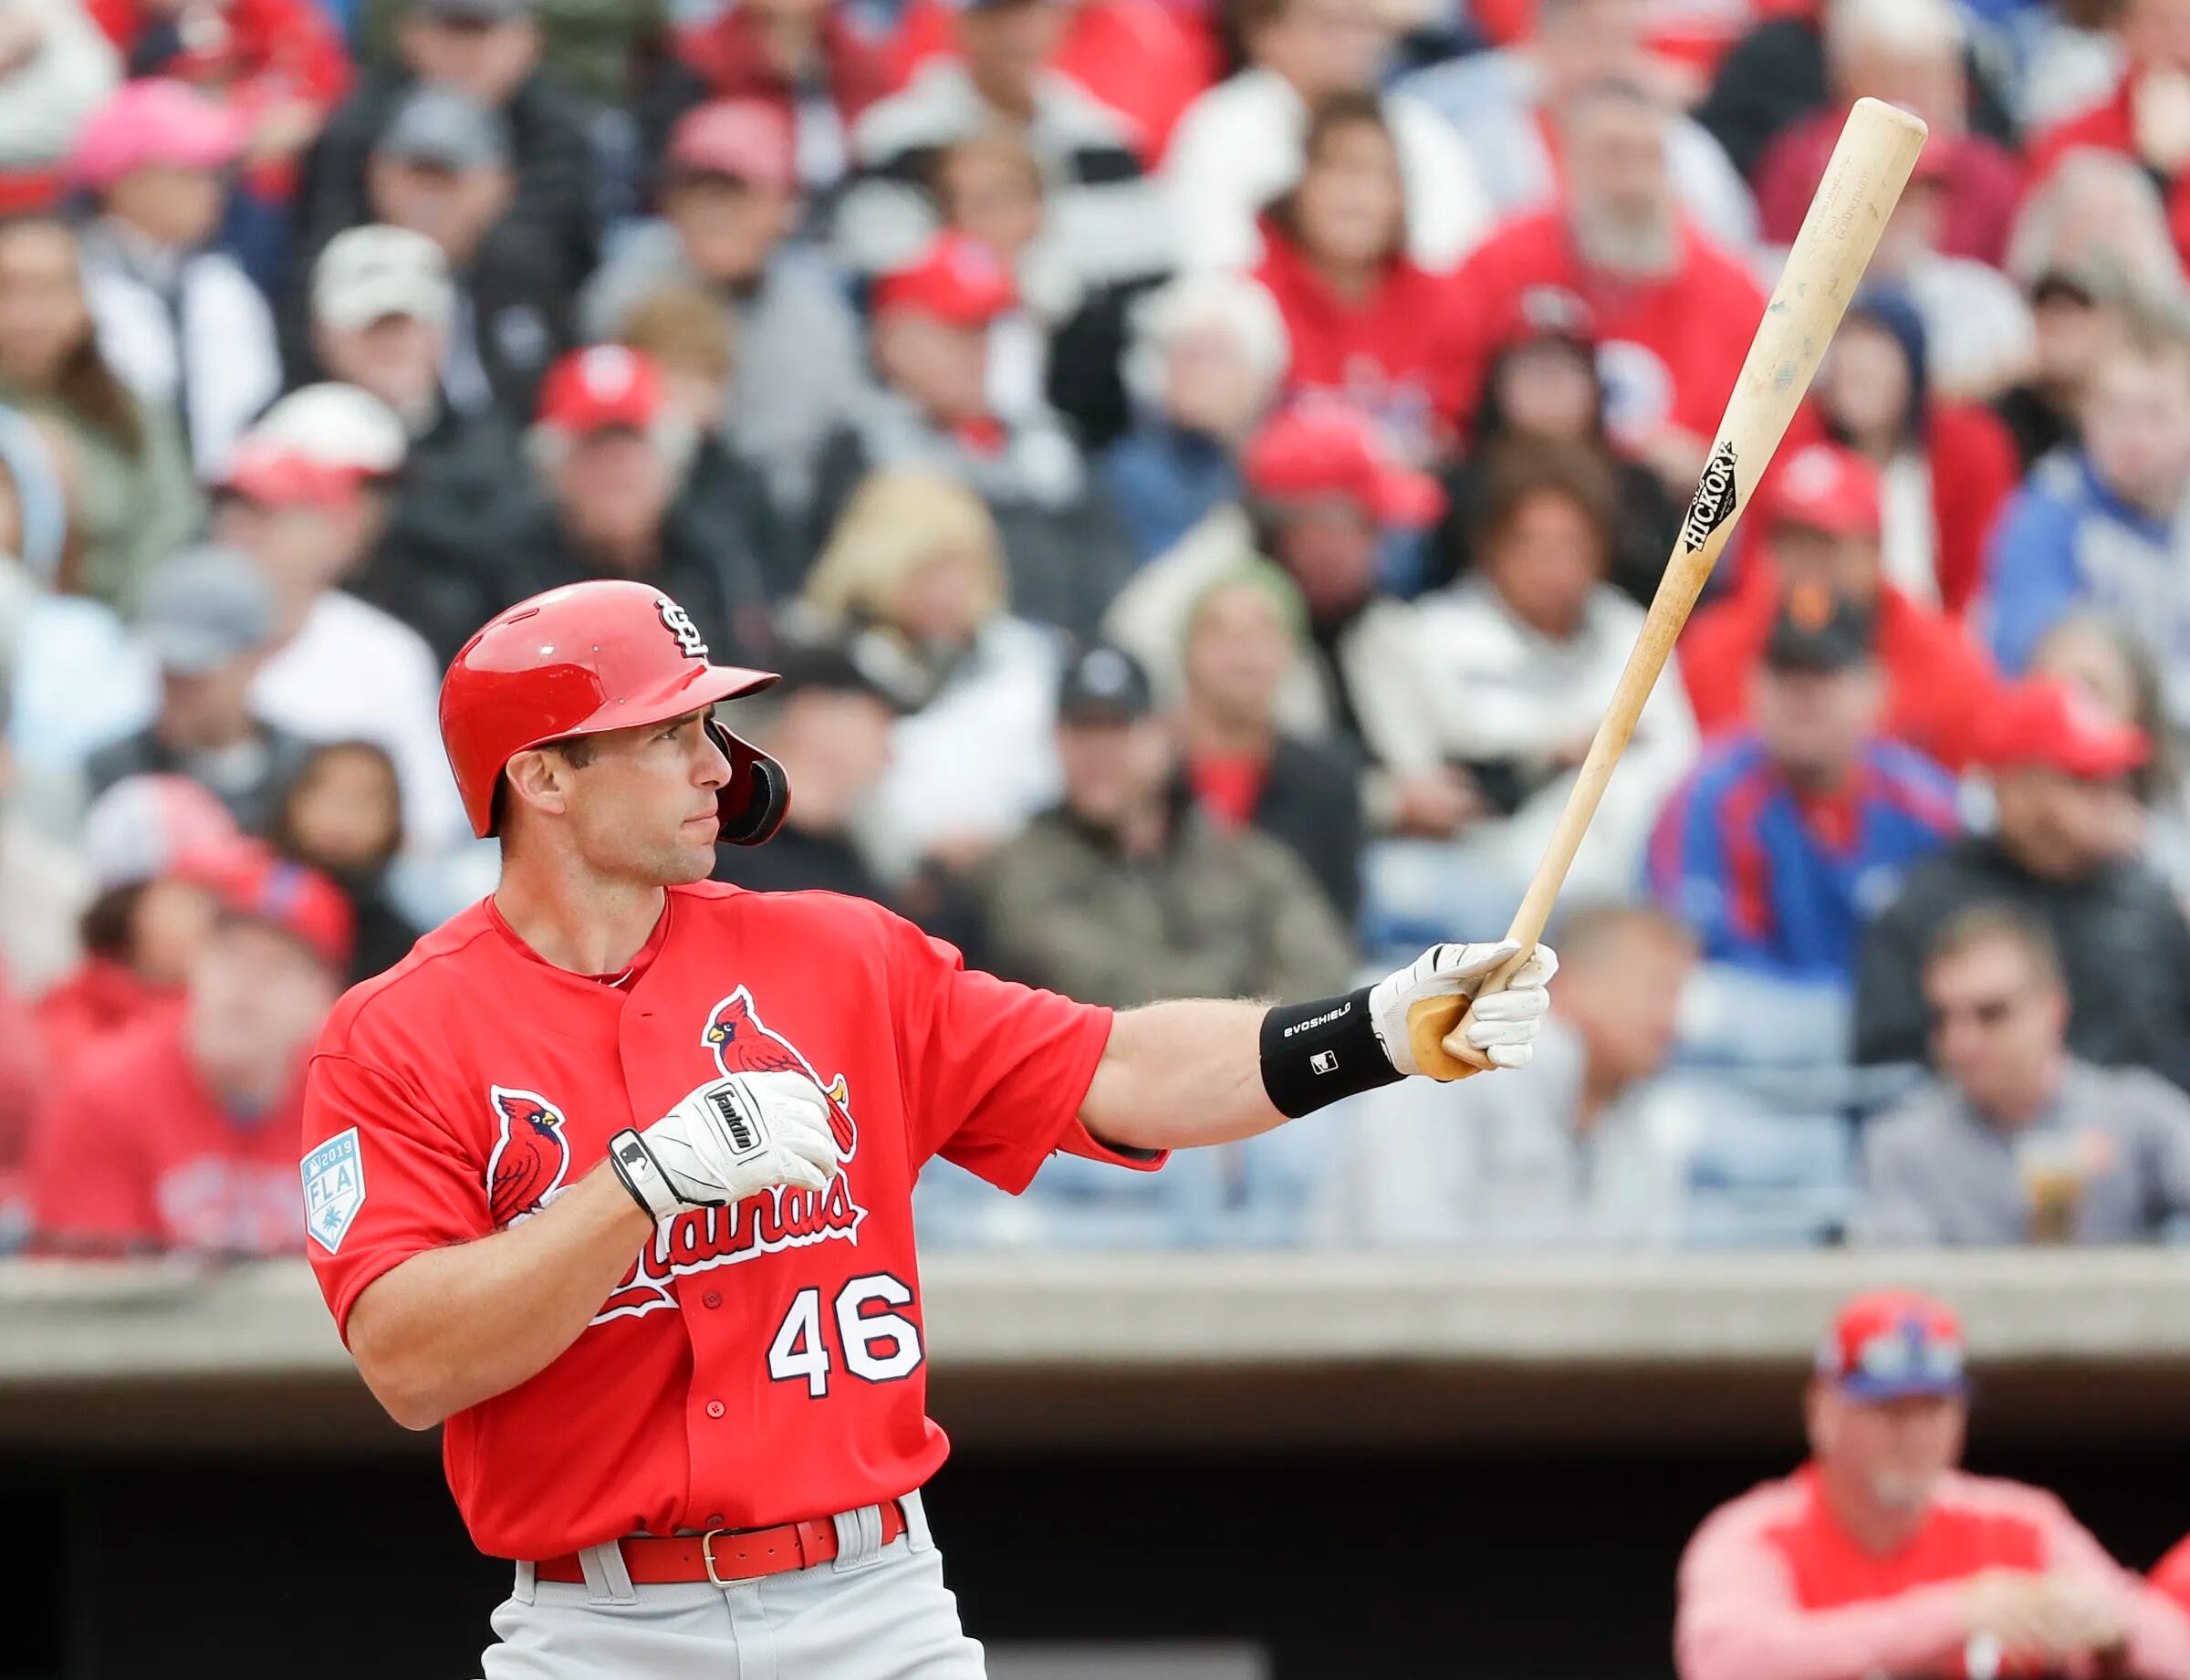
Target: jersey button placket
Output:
[(712, 1298)]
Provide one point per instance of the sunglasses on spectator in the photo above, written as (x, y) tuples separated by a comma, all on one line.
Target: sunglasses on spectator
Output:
[(1986, 1011)]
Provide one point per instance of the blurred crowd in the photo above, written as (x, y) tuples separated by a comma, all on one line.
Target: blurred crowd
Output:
[(1200, 465)]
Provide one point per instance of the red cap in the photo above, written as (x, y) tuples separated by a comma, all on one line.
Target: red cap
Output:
[(2045, 724), (251, 882), (1891, 1344), (275, 476), (1829, 488), (748, 139), (955, 279), (1331, 450), (602, 389)]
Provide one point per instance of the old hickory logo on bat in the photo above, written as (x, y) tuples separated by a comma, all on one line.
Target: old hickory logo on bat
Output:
[(1717, 495)]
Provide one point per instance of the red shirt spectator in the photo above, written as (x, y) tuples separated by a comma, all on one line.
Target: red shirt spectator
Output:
[(1881, 1557), (1981, 185), (280, 63), (21, 1068), (1661, 296), (211, 1167), (1140, 57), (1364, 322), (738, 55), (1823, 525)]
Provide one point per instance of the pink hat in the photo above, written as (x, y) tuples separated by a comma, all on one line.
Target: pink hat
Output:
[(154, 827), (746, 140), (148, 124)]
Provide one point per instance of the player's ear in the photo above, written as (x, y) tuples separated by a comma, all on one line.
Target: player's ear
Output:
[(538, 779)]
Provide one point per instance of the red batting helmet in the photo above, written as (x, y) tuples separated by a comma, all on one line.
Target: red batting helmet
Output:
[(590, 657)]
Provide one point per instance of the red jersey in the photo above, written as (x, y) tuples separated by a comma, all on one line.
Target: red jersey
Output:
[(1394, 355), (1668, 350), (760, 1363), (111, 1168), (1773, 1587)]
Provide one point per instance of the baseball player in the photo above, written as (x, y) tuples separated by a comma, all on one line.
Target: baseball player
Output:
[(612, 1174)]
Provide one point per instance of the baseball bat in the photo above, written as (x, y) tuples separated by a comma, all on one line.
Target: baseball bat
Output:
[(1870, 165)]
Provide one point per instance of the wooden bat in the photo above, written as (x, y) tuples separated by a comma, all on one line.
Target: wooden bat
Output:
[(1870, 165)]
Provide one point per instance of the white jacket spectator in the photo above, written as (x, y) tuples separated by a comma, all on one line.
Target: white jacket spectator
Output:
[(55, 68), (1239, 146), (180, 324)]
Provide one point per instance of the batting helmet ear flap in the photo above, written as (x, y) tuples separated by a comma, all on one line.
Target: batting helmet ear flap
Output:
[(753, 801)]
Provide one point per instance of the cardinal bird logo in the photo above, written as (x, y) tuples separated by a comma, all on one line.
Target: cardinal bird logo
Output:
[(531, 1157), (741, 1043)]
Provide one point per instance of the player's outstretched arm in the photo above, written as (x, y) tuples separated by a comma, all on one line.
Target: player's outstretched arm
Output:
[(452, 1327), (1196, 1071)]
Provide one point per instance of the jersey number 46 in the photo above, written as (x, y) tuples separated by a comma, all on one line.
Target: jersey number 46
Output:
[(877, 1346)]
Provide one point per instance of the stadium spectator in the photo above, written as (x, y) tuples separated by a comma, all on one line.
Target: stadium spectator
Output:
[(1075, 293), (182, 324), (56, 69), (913, 578), (807, 59), (1793, 833), (1127, 890), (444, 167), (2077, 316), (1322, 492), (1201, 369), (1146, 59), (2065, 848), (2098, 527), (280, 66), (1821, 523), (2143, 117), (1499, 102), (44, 888), (828, 723), (1366, 325), (1523, 656), (1241, 144), (2098, 213), (1576, 1155), (1910, 53), (2016, 1139), (135, 501), (208, 618), (1242, 768), (304, 501), (488, 50), (934, 327), (1543, 387), (1945, 466), (727, 208), (152, 844), (686, 335), (342, 815), (1656, 289), (613, 455), (1105, 210), (382, 303), (212, 1170), (1880, 1556)]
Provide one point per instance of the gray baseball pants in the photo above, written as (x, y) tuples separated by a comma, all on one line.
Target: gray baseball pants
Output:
[(876, 1612)]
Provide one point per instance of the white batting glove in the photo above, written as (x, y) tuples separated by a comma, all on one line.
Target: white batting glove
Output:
[(727, 1139), (1502, 1026)]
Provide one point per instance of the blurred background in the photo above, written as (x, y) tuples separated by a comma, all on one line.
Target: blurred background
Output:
[(1200, 465)]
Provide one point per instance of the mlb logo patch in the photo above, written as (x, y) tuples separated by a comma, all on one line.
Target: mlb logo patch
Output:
[(334, 1189), (1324, 1061)]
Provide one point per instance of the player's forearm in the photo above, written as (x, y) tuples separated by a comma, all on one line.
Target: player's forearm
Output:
[(1180, 1075), (452, 1327)]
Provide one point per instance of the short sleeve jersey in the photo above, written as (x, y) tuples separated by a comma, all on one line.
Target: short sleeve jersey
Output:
[(760, 1363)]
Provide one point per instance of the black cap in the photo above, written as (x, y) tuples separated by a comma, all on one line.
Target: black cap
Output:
[(829, 668), (1819, 630), (1104, 684), (473, 11)]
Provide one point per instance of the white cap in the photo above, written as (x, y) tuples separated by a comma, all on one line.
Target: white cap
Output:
[(333, 425), (370, 273)]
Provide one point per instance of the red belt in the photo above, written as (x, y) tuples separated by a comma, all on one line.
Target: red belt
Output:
[(721, 1556)]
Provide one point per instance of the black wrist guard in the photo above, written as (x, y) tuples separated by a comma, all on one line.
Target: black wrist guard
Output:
[(1315, 1053)]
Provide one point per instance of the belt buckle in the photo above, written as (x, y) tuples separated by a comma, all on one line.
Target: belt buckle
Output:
[(707, 1557)]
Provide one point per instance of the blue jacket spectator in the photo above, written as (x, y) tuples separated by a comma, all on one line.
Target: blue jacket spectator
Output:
[(1790, 835), (2100, 528)]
